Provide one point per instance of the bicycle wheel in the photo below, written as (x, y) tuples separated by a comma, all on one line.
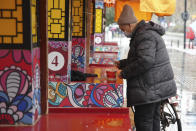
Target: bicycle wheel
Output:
[(169, 118)]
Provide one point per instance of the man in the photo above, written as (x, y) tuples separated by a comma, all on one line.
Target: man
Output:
[(147, 69)]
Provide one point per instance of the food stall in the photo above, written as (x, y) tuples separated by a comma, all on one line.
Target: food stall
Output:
[(66, 47)]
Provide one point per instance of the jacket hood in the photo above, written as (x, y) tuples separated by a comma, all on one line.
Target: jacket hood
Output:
[(142, 26)]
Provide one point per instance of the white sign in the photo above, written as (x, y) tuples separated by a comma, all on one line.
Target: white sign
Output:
[(55, 61), (97, 40)]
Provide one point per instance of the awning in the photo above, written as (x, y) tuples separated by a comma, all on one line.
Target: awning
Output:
[(159, 7), (145, 8), (135, 4)]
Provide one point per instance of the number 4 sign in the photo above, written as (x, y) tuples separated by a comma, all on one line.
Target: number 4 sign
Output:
[(55, 61)]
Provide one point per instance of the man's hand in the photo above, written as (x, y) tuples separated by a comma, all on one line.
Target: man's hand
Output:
[(117, 64)]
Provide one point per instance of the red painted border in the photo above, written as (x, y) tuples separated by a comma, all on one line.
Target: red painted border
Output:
[(105, 52), (89, 110), (101, 65), (110, 43)]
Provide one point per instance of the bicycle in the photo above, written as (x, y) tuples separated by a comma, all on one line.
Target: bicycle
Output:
[(169, 118)]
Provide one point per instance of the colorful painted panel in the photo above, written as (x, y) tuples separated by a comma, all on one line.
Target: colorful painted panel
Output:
[(85, 95), (78, 18), (98, 20), (58, 20), (104, 58), (14, 19), (107, 48), (36, 84), (19, 102), (15, 87), (58, 61), (99, 4), (78, 54), (109, 3)]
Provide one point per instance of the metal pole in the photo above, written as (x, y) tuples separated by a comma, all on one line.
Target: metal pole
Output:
[(185, 11)]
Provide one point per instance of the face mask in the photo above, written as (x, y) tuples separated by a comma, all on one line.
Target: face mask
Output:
[(127, 34)]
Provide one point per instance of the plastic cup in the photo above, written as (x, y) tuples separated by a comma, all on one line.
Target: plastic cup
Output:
[(111, 76)]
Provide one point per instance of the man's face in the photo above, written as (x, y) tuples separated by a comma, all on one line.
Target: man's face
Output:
[(128, 28)]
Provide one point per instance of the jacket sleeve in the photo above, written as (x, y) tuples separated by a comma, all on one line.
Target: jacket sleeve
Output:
[(144, 59)]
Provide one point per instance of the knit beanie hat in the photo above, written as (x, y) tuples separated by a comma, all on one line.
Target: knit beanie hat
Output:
[(127, 16)]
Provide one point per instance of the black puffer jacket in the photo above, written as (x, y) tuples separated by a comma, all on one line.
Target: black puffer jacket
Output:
[(147, 69)]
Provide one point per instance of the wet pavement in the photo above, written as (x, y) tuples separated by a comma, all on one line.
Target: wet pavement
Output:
[(184, 66)]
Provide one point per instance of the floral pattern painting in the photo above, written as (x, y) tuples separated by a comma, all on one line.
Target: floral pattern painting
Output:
[(36, 84), (78, 54), (17, 56), (85, 95), (19, 86), (15, 96)]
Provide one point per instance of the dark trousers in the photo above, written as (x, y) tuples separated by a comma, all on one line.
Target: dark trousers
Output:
[(147, 117)]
